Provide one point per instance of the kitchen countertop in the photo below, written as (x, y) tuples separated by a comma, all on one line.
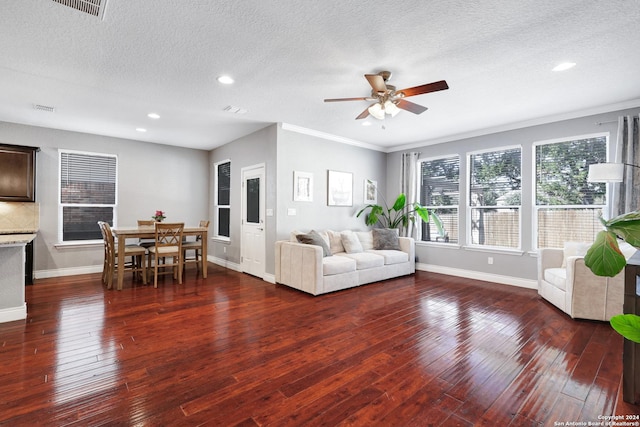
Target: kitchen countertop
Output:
[(12, 239)]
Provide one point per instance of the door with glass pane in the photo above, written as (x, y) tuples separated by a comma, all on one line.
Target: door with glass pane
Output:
[(253, 227)]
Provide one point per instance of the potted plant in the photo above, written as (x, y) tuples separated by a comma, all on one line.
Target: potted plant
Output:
[(397, 216), (604, 258)]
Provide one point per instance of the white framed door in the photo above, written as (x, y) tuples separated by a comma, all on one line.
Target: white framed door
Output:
[(253, 249)]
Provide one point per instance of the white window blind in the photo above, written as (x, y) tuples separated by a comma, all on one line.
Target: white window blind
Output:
[(494, 197), (87, 194), (440, 193)]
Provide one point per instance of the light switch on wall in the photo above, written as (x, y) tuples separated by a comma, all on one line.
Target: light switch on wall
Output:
[(291, 211)]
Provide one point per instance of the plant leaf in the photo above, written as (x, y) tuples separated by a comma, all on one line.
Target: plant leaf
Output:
[(422, 212), (626, 226), (604, 257), (400, 202), (627, 325)]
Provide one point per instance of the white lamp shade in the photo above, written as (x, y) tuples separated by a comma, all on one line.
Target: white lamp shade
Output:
[(606, 172), (376, 111), (391, 108)]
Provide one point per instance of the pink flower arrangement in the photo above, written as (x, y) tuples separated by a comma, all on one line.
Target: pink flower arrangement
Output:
[(158, 216)]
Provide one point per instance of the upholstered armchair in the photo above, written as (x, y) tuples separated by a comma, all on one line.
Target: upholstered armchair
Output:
[(566, 282)]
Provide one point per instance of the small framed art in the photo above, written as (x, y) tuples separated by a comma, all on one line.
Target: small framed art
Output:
[(302, 186), (339, 188)]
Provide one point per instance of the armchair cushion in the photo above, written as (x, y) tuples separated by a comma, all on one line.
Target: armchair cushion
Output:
[(574, 249), (557, 277)]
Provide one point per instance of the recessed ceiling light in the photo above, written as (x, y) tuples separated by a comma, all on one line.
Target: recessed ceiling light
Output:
[(141, 129), (225, 80), (153, 115), (366, 123), (564, 66)]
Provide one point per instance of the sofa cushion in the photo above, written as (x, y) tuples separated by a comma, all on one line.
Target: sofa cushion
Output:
[(385, 238), (557, 277), (364, 260), (391, 256), (351, 242), (337, 265), (335, 241), (366, 239), (314, 238)]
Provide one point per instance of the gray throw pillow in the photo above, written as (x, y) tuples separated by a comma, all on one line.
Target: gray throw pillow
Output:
[(313, 238), (385, 238)]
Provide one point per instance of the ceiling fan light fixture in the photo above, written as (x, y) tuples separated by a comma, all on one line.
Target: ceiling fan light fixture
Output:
[(391, 108), (377, 111)]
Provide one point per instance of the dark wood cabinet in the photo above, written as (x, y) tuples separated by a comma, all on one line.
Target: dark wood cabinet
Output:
[(17, 173)]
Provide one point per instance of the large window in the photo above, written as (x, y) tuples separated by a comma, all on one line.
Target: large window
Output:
[(494, 197), (223, 199), (87, 194), (567, 206), (440, 193)]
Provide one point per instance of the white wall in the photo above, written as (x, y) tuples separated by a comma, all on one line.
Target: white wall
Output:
[(150, 177)]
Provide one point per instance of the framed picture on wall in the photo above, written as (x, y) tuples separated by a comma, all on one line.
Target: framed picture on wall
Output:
[(339, 188), (370, 192), (302, 186)]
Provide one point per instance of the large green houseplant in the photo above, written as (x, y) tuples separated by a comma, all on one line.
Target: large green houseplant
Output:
[(397, 216), (605, 258)]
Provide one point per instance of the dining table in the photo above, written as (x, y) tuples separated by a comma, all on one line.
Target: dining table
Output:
[(148, 232)]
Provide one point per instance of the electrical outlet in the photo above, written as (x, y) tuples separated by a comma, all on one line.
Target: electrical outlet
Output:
[(224, 249), (490, 260)]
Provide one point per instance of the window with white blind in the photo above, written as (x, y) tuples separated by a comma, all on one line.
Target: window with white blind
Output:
[(567, 207), (440, 193), (223, 199), (495, 181), (88, 184)]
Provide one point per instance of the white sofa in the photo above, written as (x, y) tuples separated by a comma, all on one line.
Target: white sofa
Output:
[(303, 266), (566, 282)]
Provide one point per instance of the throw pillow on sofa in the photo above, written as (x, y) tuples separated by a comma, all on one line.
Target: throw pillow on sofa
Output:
[(385, 238), (314, 238), (351, 242)]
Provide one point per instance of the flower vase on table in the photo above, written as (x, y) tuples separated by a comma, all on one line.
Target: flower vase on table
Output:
[(158, 216)]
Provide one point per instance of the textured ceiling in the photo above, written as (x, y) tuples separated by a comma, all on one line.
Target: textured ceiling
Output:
[(104, 76)]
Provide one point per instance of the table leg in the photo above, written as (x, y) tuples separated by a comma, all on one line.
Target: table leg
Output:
[(121, 246), (203, 260)]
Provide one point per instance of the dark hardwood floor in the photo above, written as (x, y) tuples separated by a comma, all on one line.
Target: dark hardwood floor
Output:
[(421, 350)]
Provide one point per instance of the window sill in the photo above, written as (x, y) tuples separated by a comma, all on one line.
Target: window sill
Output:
[(438, 245), (515, 252), (71, 245), (221, 239)]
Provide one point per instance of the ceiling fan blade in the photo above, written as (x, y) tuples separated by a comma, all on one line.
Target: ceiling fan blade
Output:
[(377, 82), (429, 87), (410, 106), (364, 114), (345, 99)]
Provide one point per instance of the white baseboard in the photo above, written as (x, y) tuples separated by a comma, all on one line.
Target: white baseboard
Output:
[(13, 313), (478, 275), (72, 271), (224, 263)]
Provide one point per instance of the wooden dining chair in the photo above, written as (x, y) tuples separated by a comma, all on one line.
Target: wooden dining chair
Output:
[(134, 257), (168, 244), (196, 247), (146, 243)]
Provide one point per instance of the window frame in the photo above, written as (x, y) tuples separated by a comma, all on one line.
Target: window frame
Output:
[(430, 207), (217, 207), (606, 208), (62, 205), (469, 208)]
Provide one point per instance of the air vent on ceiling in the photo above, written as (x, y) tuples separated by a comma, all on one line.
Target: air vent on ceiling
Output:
[(46, 108), (92, 7), (234, 110)]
